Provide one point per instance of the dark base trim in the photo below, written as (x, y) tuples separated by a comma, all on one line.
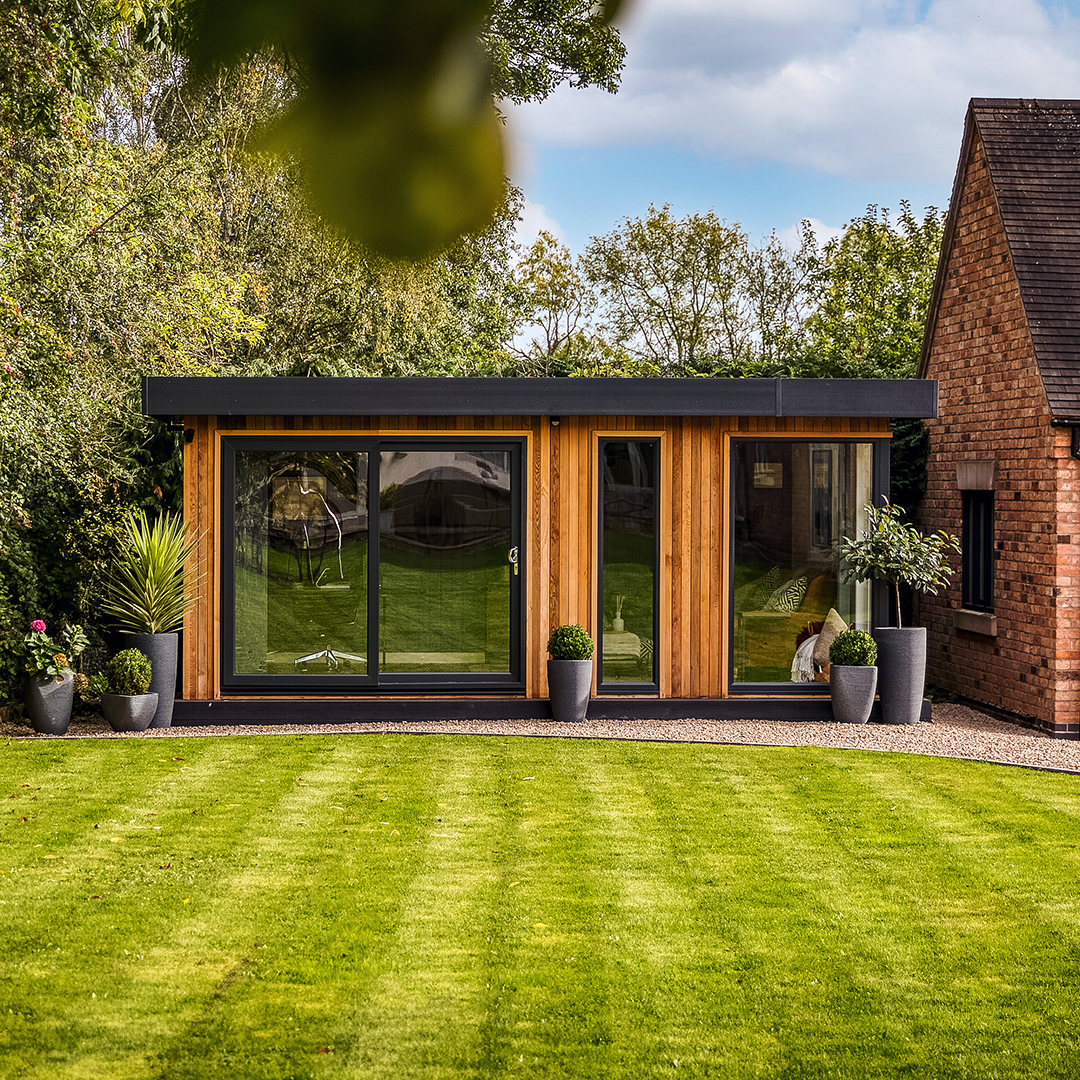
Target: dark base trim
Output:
[(1034, 723), (383, 710)]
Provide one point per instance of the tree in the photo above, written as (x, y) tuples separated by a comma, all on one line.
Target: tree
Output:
[(394, 108), (691, 296), (871, 291)]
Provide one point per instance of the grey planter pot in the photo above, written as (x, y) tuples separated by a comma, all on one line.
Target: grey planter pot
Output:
[(901, 672), (852, 692), (161, 650), (129, 712), (569, 686), (48, 703)]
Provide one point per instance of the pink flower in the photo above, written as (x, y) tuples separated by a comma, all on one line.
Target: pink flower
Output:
[(38, 625)]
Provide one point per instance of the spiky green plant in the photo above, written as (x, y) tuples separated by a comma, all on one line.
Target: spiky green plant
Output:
[(148, 586)]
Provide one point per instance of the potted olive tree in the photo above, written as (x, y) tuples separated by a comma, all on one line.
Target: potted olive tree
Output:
[(148, 593), (898, 554), (123, 686), (570, 672), (853, 676)]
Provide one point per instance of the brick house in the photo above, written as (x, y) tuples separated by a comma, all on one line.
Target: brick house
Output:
[(1002, 338)]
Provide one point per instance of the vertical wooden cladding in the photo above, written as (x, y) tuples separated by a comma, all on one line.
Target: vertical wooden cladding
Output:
[(561, 556)]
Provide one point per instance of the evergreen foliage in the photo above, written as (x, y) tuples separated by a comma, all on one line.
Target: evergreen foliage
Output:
[(853, 648), (571, 642)]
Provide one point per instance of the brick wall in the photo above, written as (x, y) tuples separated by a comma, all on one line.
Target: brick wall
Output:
[(992, 406)]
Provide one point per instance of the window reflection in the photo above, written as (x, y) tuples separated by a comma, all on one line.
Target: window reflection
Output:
[(792, 502)]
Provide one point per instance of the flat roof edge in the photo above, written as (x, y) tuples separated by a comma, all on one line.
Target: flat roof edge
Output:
[(168, 396)]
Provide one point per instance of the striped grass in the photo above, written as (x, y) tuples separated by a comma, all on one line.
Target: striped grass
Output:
[(432, 906)]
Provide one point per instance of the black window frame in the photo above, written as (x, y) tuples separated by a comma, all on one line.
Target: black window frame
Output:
[(615, 688), (374, 681), (977, 550), (878, 594)]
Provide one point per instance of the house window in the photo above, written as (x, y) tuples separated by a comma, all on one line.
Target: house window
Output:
[(978, 555), (371, 563), (792, 503), (629, 563)]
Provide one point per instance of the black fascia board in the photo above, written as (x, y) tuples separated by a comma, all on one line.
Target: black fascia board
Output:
[(169, 396)]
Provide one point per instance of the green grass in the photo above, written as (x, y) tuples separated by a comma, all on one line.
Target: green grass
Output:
[(426, 906)]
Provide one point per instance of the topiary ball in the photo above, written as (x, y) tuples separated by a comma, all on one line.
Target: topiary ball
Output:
[(128, 673), (853, 648), (570, 643)]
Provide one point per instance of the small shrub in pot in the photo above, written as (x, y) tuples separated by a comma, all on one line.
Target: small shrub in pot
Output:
[(570, 673), (853, 676), (853, 648), (123, 686)]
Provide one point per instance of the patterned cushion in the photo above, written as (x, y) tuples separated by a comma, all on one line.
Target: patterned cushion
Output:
[(789, 596)]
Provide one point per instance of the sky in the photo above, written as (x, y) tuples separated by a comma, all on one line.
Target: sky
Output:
[(774, 111)]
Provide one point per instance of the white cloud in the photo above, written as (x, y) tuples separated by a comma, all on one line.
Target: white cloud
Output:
[(865, 90), (534, 218), (791, 237)]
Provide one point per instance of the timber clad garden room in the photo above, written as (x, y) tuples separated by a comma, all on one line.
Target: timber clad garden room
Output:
[(389, 549)]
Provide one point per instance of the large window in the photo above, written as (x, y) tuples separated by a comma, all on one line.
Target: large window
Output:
[(363, 563), (629, 562), (978, 551), (792, 502)]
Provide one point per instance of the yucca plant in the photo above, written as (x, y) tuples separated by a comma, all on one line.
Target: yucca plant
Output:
[(148, 588)]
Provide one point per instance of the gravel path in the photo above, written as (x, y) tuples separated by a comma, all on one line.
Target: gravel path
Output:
[(956, 731)]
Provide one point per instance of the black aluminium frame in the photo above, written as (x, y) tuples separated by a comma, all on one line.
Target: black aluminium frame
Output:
[(629, 687), (377, 682), (878, 595)]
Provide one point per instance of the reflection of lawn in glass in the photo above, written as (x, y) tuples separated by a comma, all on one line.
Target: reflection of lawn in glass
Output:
[(628, 572), (444, 611), (279, 618)]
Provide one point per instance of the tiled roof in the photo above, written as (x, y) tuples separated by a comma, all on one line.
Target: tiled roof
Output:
[(1033, 155)]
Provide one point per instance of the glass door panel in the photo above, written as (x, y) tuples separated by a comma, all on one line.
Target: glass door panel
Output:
[(629, 561), (445, 549), (300, 562)]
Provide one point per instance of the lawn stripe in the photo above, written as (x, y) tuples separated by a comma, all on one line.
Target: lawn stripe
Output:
[(422, 1014)]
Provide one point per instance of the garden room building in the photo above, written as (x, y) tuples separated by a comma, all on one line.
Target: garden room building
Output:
[(402, 548)]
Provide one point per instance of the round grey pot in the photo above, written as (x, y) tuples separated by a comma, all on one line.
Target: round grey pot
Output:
[(48, 703), (129, 712), (569, 686), (901, 672), (852, 692), (161, 650)]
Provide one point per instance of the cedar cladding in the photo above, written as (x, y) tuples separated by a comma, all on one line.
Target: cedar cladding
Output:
[(561, 542)]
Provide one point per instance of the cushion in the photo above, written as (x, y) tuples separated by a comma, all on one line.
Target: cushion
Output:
[(789, 596), (822, 593), (833, 628)]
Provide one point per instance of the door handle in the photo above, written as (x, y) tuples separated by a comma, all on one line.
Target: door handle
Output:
[(512, 556)]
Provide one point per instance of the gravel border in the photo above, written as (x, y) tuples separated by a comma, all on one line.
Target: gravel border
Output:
[(956, 732)]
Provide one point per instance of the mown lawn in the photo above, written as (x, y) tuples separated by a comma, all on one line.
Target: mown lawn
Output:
[(433, 906)]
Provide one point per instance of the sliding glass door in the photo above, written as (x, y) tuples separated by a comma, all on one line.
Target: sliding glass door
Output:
[(353, 564)]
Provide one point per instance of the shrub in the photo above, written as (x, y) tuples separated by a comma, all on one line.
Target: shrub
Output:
[(853, 648), (570, 643), (127, 672)]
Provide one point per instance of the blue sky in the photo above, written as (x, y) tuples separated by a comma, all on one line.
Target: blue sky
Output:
[(772, 111)]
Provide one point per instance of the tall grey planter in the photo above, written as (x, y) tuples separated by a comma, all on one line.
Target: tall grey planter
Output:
[(569, 686), (852, 692), (161, 651), (48, 703), (901, 672)]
